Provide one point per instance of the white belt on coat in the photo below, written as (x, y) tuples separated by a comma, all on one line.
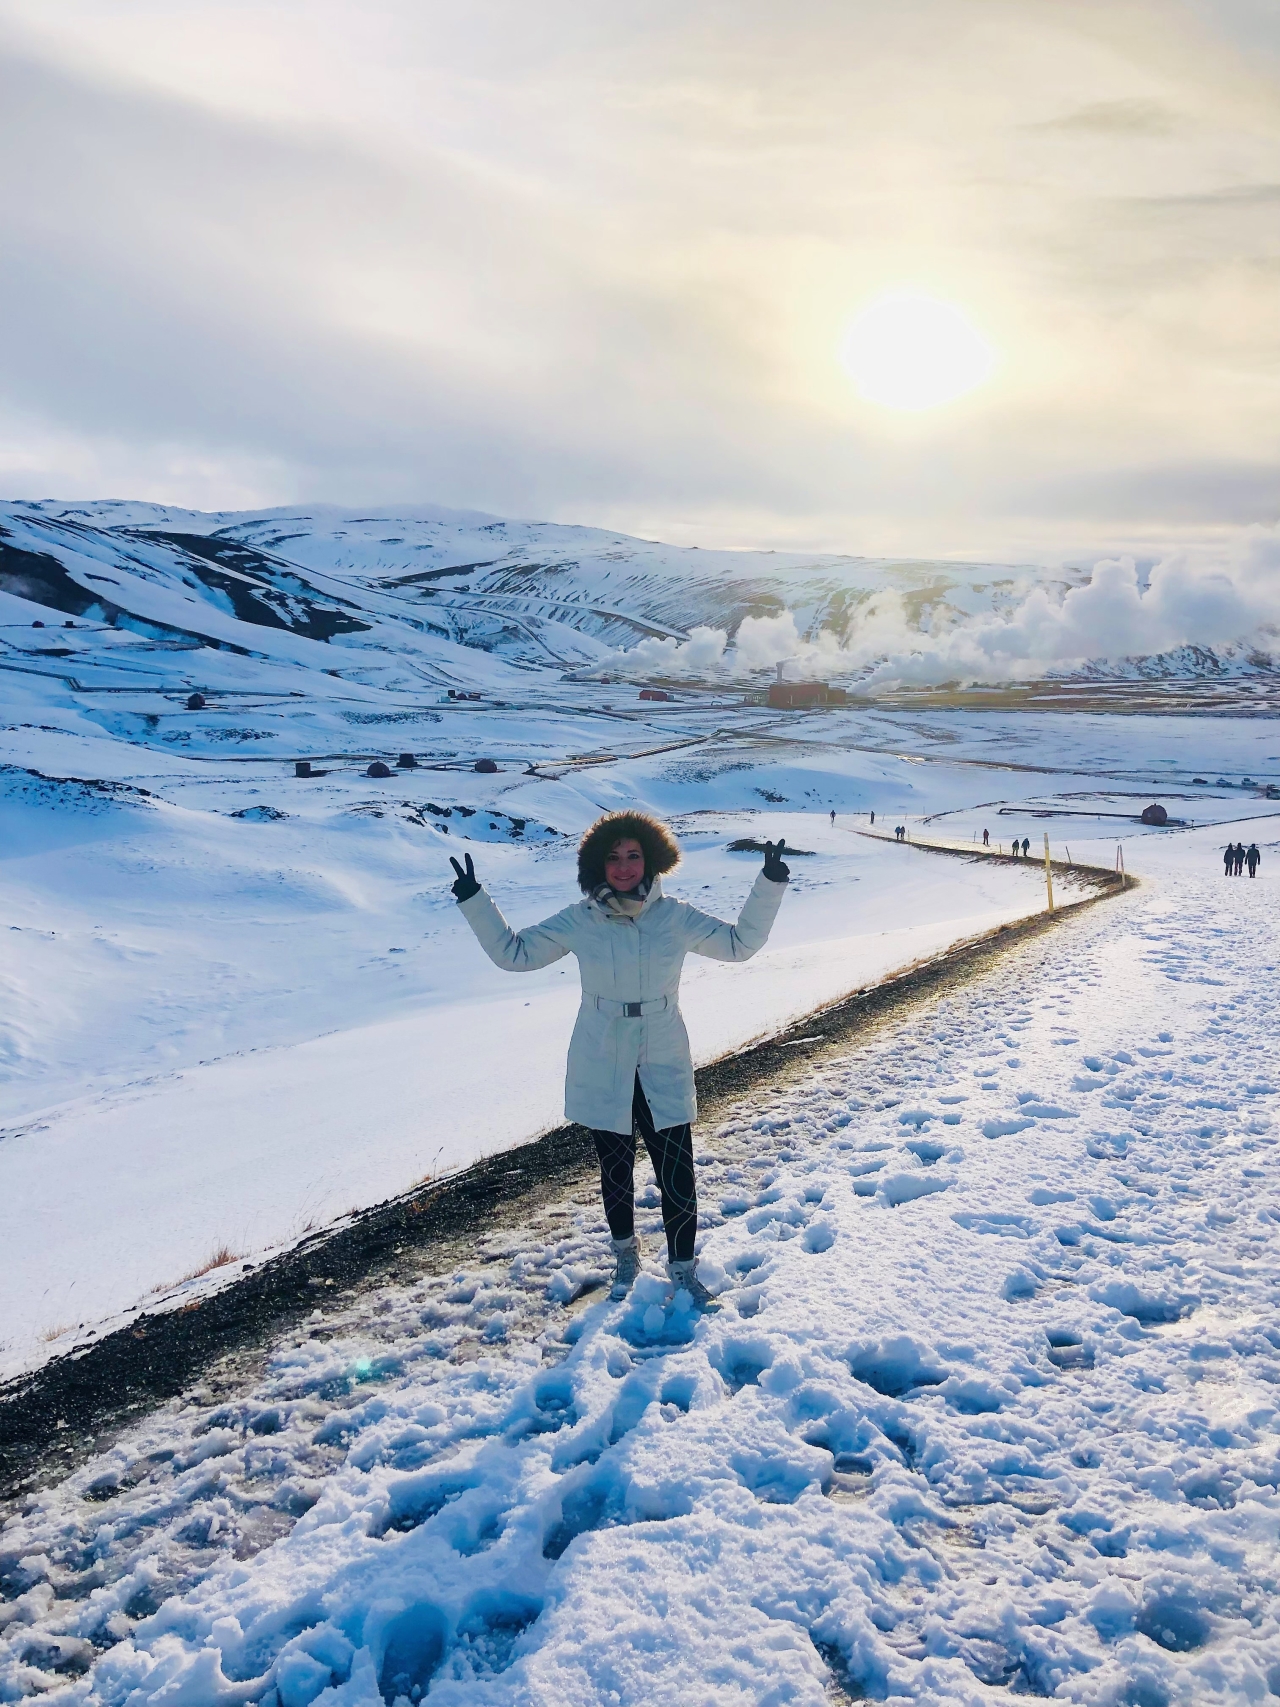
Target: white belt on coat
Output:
[(631, 1010)]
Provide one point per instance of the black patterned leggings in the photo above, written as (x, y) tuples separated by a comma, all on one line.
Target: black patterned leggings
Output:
[(671, 1152)]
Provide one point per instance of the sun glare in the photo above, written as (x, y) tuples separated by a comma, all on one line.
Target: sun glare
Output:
[(909, 351)]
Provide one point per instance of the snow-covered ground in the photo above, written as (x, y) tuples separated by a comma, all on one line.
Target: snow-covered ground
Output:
[(398, 1050), (990, 1405), (240, 1004)]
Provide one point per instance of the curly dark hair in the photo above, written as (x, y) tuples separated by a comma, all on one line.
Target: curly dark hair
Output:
[(661, 849)]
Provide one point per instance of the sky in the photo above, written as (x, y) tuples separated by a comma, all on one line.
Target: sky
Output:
[(599, 264)]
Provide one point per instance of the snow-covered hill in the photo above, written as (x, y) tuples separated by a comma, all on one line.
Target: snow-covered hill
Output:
[(402, 581), (234, 999), (427, 590)]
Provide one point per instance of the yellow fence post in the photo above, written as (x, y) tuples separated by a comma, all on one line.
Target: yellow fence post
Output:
[(1048, 871)]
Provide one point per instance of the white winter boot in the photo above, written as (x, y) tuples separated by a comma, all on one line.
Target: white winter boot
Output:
[(684, 1277), (626, 1260)]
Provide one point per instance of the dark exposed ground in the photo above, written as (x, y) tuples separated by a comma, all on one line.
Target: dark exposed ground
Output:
[(60, 1415), (1169, 696)]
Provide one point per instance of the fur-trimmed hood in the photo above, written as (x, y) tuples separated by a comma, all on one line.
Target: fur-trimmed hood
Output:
[(661, 849)]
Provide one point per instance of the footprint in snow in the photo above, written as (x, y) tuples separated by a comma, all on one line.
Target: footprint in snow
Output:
[(990, 1221), (1005, 1127), (898, 1189), (925, 1150)]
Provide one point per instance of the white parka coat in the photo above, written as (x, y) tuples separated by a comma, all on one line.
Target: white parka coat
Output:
[(628, 964)]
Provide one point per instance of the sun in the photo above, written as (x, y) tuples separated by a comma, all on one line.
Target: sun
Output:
[(910, 351)]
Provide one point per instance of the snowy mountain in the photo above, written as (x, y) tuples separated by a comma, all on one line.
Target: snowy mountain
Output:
[(428, 596), (401, 582), (1181, 663)]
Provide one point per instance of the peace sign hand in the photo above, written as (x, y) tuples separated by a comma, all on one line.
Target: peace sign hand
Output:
[(774, 869), (468, 883)]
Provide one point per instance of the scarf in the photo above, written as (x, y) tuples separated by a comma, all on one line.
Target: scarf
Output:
[(621, 906)]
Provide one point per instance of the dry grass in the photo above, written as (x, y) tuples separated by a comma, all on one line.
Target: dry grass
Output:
[(56, 1333), (220, 1258)]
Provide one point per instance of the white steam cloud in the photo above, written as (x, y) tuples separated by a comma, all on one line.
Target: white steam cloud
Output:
[(699, 655), (1111, 617)]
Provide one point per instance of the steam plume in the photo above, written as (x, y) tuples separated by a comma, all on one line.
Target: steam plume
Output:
[(1111, 617)]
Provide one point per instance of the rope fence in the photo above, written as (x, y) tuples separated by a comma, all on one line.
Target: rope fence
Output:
[(1011, 855)]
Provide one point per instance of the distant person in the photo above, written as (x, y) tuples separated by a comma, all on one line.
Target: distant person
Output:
[(873, 817), (1017, 847), (629, 1061), (1229, 859), (833, 815), (1239, 859), (1253, 859), (1026, 846), (986, 838)]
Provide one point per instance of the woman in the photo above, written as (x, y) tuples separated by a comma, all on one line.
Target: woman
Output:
[(629, 1061)]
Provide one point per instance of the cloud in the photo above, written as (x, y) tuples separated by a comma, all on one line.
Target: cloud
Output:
[(1130, 117), (1116, 614), (759, 643), (1113, 616), (765, 640), (595, 265), (1174, 492), (700, 654)]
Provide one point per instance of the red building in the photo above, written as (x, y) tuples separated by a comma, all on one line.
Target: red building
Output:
[(797, 696)]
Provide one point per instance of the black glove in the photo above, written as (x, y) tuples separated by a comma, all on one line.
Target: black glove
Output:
[(468, 884), (774, 869)]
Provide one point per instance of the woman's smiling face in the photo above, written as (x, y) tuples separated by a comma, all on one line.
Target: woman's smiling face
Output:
[(624, 867)]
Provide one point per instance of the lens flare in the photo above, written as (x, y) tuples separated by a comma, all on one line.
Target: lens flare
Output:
[(911, 352)]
